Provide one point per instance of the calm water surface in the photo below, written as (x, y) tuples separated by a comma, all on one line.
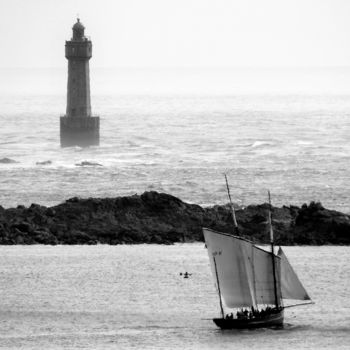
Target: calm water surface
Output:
[(132, 297)]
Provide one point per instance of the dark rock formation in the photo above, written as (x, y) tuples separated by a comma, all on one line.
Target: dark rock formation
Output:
[(45, 162), (7, 161), (161, 218), (86, 163)]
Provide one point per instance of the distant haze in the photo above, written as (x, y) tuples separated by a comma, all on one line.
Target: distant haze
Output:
[(180, 80), (169, 33)]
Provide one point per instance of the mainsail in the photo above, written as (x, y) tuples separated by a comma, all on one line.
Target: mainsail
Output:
[(243, 270), (291, 286)]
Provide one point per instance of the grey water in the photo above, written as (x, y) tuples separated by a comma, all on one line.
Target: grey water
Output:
[(178, 133), (133, 297)]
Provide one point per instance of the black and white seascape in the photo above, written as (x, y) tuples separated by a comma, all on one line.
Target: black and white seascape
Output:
[(186, 91), (127, 297)]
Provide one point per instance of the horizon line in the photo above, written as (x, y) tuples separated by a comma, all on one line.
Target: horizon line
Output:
[(218, 67)]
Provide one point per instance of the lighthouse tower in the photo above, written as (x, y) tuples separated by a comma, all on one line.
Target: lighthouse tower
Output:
[(78, 126)]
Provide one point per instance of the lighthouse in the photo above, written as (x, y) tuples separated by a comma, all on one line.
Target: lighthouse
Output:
[(78, 127)]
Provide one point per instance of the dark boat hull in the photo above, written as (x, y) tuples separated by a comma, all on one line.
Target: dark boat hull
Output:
[(272, 320)]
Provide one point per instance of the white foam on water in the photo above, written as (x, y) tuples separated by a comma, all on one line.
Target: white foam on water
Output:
[(262, 144)]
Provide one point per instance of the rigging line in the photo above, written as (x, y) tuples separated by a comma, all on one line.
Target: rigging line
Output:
[(217, 281), (294, 305), (254, 281), (231, 205)]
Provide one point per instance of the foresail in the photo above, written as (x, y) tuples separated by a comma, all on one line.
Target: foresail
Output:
[(230, 268), (291, 286), (263, 273), (243, 270)]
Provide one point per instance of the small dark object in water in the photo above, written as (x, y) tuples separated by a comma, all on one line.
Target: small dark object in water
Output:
[(45, 162), (7, 161), (86, 163), (186, 274)]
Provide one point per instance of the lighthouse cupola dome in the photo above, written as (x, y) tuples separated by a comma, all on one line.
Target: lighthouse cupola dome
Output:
[(78, 30)]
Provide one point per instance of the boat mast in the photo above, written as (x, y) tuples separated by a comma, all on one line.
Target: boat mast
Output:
[(273, 253), (232, 208), (217, 281)]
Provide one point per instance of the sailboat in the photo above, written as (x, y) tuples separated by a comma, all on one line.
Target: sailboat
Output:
[(251, 280)]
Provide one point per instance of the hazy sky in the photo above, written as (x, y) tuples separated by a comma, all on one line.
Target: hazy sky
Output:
[(178, 32)]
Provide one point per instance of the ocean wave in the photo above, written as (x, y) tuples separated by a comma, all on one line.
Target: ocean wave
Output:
[(304, 143), (258, 144)]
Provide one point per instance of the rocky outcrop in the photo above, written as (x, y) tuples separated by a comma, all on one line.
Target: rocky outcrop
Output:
[(7, 161), (161, 218), (45, 162), (86, 163)]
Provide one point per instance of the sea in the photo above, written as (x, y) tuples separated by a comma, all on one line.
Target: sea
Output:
[(175, 131), (133, 297), (178, 131)]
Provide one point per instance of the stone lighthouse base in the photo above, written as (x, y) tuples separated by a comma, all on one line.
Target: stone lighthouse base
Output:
[(83, 131)]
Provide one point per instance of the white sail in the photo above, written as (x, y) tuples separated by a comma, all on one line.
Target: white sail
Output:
[(244, 271), (291, 286), (264, 281)]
